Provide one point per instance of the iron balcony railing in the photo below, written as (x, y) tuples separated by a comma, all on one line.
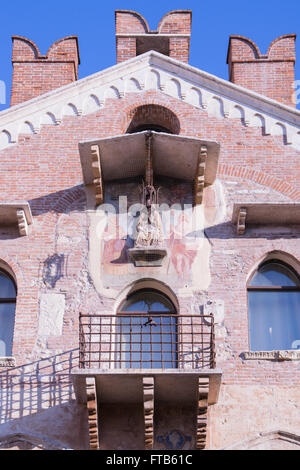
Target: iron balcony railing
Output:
[(153, 340)]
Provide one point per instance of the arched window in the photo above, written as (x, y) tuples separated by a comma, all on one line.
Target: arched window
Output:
[(274, 307), (147, 331), (7, 313)]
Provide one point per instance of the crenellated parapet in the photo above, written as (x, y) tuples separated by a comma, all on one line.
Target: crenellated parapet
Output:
[(46, 72)]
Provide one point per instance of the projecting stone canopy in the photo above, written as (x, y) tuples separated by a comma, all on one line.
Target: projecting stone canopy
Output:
[(114, 158), (262, 213)]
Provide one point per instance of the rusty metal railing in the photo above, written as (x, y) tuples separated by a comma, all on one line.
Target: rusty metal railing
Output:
[(152, 340)]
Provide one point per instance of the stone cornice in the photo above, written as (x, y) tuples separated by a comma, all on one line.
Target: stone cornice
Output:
[(152, 71)]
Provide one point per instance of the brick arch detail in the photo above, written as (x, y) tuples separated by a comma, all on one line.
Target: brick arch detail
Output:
[(11, 266), (290, 258), (259, 177), (151, 110)]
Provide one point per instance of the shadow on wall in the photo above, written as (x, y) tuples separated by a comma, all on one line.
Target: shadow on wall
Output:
[(37, 386), (60, 201)]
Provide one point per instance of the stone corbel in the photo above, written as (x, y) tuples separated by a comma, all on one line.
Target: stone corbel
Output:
[(203, 388), (22, 222), (241, 221), (148, 392), (16, 213), (97, 176), (199, 180), (92, 413)]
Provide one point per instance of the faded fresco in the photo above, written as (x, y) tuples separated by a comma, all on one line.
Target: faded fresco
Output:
[(187, 261)]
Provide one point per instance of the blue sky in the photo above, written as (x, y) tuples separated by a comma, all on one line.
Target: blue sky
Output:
[(93, 22)]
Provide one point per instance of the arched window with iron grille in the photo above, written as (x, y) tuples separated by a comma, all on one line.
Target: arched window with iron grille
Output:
[(147, 331)]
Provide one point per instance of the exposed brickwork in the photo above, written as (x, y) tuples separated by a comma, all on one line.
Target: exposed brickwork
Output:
[(246, 155), (35, 74), (55, 258), (272, 74), (153, 114), (171, 38)]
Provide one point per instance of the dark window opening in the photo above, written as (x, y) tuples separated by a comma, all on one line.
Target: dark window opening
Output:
[(150, 127), (7, 313)]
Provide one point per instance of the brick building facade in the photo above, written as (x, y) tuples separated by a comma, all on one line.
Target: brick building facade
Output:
[(179, 330)]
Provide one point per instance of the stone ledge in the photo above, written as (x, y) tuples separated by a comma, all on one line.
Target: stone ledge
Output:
[(148, 255), (263, 213), (16, 213), (278, 355), (7, 362)]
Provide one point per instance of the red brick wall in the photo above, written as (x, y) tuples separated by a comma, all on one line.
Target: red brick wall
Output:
[(45, 169), (272, 74), (51, 180), (175, 23), (34, 74)]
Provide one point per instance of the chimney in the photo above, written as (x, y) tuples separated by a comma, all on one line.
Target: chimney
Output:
[(171, 38), (272, 74), (35, 74)]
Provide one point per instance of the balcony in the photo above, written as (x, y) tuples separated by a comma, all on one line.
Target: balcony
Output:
[(139, 341), (139, 363)]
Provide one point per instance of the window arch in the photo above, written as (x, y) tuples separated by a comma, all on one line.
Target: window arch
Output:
[(152, 117), (8, 293), (274, 307), (147, 331)]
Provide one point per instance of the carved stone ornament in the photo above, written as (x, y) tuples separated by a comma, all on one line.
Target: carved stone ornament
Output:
[(241, 223), (97, 176), (288, 355), (203, 387), (149, 244), (199, 180), (22, 222), (149, 230), (148, 391), (7, 362), (92, 413)]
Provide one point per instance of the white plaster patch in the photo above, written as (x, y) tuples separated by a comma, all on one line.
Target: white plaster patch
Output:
[(216, 308), (52, 308)]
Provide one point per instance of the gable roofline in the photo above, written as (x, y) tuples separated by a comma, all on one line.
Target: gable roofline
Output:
[(113, 77)]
